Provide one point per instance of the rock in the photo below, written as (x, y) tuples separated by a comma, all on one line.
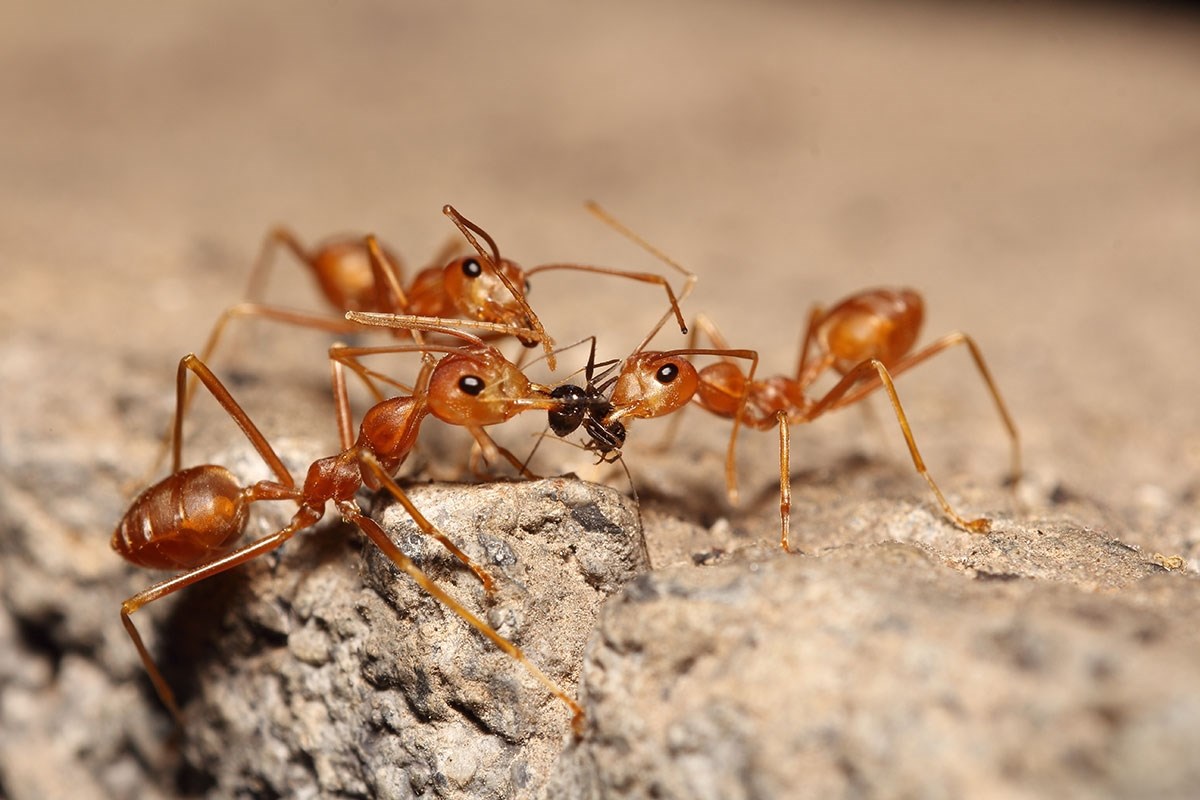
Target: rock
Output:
[(333, 677), (878, 670)]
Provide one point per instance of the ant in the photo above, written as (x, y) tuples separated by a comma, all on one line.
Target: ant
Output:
[(191, 519), (359, 274), (867, 338)]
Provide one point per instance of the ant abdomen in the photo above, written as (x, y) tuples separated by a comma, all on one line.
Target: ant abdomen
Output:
[(880, 324), (342, 268), (183, 520)]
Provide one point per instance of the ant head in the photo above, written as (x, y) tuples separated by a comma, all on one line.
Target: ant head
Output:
[(652, 384), (478, 388), (479, 293)]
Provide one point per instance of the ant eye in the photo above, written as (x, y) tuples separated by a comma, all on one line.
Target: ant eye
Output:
[(471, 268), (666, 373), (528, 286), (471, 384)]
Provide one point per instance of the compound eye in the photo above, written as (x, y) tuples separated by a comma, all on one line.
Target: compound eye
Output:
[(666, 373), (471, 268), (471, 384)]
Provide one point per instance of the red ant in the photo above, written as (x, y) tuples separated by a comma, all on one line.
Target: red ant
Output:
[(191, 519), (867, 338), (358, 274)]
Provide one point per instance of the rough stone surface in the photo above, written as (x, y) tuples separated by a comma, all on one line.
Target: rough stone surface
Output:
[(879, 670), (353, 678), (1031, 171)]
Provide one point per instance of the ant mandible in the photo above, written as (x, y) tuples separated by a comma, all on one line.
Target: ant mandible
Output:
[(191, 519), (867, 338)]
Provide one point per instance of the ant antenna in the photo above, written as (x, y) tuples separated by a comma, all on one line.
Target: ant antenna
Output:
[(690, 277)]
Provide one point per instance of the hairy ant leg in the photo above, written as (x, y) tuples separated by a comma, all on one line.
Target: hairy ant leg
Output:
[(875, 369)]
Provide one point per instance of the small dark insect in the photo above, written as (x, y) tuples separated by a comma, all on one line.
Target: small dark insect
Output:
[(587, 406)]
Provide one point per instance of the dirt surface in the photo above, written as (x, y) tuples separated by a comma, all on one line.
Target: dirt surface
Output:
[(1034, 175)]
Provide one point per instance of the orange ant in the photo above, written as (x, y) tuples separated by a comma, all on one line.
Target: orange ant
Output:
[(359, 274), (867, 338), (191, 519)]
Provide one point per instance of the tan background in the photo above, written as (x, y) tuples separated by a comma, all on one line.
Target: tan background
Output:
[(1035, 174)]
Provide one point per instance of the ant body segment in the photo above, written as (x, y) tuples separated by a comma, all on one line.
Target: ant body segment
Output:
[(191, 519)]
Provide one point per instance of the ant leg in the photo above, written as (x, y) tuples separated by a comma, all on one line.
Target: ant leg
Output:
[(261, 491), (285, 316), (427, 527), (806, 373), (377, 535), (946, 342), (193, 364), (341, 401), (690, 277), (837, 398), (490, 450), (346, 356), (785, 479), (386, 278), (276, 237)]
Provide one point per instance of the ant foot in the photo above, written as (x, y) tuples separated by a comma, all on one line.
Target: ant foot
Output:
[(981, 525)]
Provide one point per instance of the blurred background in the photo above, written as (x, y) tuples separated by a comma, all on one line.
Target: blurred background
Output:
[(1033, 170)]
